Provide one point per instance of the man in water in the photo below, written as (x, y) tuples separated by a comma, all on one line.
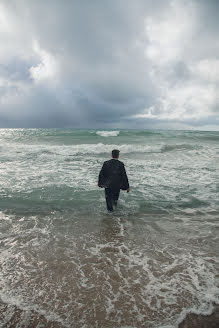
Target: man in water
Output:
[(113, 177)]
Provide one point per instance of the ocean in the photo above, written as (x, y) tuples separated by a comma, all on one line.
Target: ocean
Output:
[(65, 262)]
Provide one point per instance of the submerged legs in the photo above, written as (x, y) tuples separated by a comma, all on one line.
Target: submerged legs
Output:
[(112, 196)]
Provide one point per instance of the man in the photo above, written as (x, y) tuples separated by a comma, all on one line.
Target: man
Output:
[(113, 177)]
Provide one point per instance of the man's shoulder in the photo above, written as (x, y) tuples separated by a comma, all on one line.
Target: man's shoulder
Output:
[(107, 163), (112, 161), (120, 163)]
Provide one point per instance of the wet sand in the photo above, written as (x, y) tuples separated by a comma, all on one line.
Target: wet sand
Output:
[(114, 272), (200, 321), (32, 319)]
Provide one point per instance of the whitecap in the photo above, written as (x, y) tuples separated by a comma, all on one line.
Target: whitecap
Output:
[(108, 133)]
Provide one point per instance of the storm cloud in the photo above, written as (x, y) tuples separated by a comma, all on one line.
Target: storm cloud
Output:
[(109, 64)]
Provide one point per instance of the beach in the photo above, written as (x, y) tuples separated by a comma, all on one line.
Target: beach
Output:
[(65, 262), (201, 321)]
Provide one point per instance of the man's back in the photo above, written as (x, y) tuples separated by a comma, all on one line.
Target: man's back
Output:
[(113, 175)]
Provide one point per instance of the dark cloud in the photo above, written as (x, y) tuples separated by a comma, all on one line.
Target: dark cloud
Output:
[(16, 69), (101, 63)]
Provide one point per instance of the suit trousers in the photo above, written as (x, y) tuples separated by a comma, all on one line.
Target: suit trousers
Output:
[(112, 196)]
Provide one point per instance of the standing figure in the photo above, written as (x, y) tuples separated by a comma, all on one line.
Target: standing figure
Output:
[(113, 177)]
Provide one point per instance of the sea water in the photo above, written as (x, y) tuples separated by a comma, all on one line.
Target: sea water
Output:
[(65, 262)]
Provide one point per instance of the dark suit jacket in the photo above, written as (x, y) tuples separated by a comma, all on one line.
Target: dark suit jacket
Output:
[(113, 175)]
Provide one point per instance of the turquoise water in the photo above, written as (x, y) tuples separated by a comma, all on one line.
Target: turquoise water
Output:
[(67, 263), (168, 171)]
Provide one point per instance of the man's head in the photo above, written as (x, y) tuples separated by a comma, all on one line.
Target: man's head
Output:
[(115, 153)]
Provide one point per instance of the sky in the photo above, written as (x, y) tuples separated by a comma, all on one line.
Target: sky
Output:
[(109, 64)]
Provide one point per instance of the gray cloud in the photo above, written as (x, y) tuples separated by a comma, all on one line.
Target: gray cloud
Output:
[(109, 63)]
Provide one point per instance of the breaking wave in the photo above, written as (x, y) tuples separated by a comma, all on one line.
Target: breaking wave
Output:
[(176, 147), (98, 148), (108, 133)]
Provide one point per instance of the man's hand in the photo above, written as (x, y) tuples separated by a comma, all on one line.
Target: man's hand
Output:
[(128, 190)]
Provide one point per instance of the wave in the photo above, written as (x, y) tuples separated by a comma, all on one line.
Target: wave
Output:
[(166, 148), (98, 148), (108, 133), (128, 149), (103, 148)]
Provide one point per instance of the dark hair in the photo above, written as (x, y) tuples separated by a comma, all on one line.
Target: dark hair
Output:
[(115, 153)]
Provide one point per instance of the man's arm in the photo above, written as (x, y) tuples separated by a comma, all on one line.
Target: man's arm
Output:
[(125, 180), (102, 176)]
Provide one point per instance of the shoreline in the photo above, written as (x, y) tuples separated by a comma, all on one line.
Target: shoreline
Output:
[(35, 318), (201, 321)]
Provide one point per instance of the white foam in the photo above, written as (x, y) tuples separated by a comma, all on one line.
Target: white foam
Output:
[(46, 151), (20, 303), (108, 133), (5, 217), (185, 312)]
